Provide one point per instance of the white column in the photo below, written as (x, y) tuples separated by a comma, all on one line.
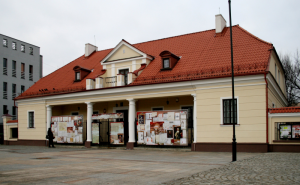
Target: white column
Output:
[(131, 120), (89, 121), (49, 115), (195, 117)]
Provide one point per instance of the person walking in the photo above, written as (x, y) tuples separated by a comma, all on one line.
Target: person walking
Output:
[(51, 137)]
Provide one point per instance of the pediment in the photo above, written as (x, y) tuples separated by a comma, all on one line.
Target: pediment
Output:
[(123, 51)]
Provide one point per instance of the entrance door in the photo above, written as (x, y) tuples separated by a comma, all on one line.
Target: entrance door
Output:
[(125, 113), (190, 122)]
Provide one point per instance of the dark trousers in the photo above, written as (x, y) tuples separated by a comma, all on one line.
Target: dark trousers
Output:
[(51, 142)]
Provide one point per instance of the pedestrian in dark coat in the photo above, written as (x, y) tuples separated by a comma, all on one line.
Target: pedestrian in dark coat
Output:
[(50, 135)]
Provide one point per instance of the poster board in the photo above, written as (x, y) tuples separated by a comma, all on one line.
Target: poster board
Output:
[(162, 128), (95, 133), (285, 131), (116, 133), (67, 129)]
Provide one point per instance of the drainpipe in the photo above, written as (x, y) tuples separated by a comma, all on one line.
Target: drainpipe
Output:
[(267, 109)]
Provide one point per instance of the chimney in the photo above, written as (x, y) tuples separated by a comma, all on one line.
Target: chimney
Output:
[(220, 23), (89, 48)]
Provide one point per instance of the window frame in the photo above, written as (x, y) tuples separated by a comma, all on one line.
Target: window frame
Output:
[(4, 89), (222, 111), (6, 43), (28, 119), (76, 79), (31, 50), (164, 67), (4, 107), (22, 90), (125, 75), (14, 88), (12, 45), (22, 46)]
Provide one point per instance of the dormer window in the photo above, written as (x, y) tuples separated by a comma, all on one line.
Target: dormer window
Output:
[(169, 60), (77, 76), (166, 63)]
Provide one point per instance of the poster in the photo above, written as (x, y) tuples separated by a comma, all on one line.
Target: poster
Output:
[(117, 133), (164, 128), (95, 133), (296, 131), (67, 129), (285, 131)]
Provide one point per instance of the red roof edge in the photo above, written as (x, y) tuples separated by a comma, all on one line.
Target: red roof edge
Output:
[(136, 72), (254, 36), (12, 121), (285, 110), (103, 71)]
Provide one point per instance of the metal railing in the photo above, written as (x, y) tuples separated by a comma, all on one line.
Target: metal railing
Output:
[(30, 77), (4, 70), (14, 73), (4, 94), (110, 81), (23, 75)]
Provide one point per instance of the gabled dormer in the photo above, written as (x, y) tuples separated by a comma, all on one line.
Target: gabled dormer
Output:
[(168, 60), (80, 73)]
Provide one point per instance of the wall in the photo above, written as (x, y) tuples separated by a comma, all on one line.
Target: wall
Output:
[(274, 60), (119, 54)]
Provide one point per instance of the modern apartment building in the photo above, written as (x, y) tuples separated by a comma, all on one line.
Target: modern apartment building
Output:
[(22, 66)]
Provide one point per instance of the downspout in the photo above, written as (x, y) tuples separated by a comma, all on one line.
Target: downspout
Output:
[(267, 109)]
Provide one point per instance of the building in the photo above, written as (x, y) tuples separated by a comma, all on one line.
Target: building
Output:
[(180, 85), (22, 66)]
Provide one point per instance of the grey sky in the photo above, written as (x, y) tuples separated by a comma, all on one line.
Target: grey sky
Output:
[(62, 27)]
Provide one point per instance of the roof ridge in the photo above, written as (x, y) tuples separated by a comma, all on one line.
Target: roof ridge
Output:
[(259, 39)]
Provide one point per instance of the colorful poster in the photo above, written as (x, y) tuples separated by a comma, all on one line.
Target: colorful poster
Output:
[(117, 133), (296, 131), (285, 131)]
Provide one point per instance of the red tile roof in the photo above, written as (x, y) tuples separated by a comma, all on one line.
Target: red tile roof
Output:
[(203, 55), (284, 110)]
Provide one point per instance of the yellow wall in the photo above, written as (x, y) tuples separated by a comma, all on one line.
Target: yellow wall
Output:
[(251, 113), (120, 55), (39, 130), (273, 61), (274, 98)]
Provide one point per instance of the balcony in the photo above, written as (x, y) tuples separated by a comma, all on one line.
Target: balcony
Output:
[(14, 73), (4, 70), (111, 81), (23, 75), (4, 94), (30, 76)]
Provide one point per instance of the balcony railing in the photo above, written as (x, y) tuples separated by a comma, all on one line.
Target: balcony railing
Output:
[(14, 73), (30, 77), (4, 70), (4, 94), (23, 75), (110, 81), (14, 95)]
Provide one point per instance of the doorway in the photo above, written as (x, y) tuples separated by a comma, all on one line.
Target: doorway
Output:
[(190, 122), (125, 120)]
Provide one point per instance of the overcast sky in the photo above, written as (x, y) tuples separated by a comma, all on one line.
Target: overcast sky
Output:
[(61, 28)]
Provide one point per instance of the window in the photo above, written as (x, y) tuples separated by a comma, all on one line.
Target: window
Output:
[(14, 67), (77, 76), (14, 113), (228, 111), (4, 66), (125, 73), (273, 105), (30, 50), (30, 72), (22, 70), (14, 133), (166, 63), (5, 42), (14, 93), (23, 48), (279, 77), (14, 45), (22, 88), (5, 111), (31, 119), (4, 90)]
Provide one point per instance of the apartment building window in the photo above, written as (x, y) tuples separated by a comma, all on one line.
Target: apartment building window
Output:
[(4, 90), (4, 66), (14, 68), (30, 72), (22, 70), (31, 119), (31, 50), (14, 90), (5, 111), (5, 42), (23, 48), (22, 88), (14, 112), (14, 45), (228, 111)]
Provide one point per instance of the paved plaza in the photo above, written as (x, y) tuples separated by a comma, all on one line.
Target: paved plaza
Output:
[(73, 165)]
